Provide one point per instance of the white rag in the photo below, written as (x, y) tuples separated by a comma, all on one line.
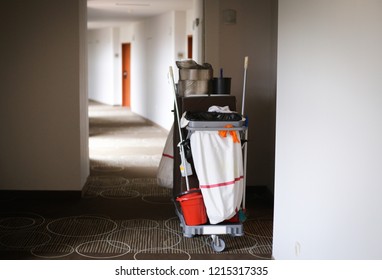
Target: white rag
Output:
[(219, 109), (184, 122), (219, 166)]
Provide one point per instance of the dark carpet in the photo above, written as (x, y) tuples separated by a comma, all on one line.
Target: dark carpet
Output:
[(123, 213)]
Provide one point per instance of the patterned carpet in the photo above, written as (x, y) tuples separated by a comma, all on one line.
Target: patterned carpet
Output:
[(123, 213)]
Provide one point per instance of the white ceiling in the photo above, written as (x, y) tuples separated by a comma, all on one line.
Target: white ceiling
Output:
[(103, 13)]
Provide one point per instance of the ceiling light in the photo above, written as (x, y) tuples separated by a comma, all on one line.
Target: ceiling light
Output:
[(133, 4)]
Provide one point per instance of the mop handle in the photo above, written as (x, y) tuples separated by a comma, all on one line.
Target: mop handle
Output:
[(246, 132), (245, 83)]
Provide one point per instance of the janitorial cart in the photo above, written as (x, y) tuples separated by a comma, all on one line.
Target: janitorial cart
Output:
[(210, 170)]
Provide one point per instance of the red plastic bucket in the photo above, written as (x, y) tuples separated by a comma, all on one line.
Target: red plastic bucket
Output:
[(194, 211)]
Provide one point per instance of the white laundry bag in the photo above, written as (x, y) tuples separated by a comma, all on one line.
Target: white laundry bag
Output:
[(219, 166)]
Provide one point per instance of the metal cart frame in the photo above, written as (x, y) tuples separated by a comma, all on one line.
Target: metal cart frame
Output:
[(224, 228), (234, 229)]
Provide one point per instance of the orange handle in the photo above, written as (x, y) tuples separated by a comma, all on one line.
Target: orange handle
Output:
[(223, 133)]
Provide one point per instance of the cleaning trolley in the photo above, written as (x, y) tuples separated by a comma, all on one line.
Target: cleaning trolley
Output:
[(210, 173)]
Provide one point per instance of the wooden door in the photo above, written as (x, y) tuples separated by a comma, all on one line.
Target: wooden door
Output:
[(126, 77), (189, 46)]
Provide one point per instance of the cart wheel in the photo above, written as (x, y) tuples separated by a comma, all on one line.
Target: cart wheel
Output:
[(217, 244)]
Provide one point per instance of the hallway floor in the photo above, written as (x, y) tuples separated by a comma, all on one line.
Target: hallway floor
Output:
[(123, 213)]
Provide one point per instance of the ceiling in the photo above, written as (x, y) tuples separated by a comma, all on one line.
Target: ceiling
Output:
[(103, 13)]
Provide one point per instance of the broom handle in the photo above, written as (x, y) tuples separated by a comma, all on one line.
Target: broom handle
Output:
[(245, 133), (182, 155), (176, 103)]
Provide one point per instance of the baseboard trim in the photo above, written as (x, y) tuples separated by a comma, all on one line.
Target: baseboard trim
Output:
[(262, 191), (40, 194)]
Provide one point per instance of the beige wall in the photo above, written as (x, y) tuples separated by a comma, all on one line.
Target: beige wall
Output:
[(43, 100), (329, 119), (254, 35)]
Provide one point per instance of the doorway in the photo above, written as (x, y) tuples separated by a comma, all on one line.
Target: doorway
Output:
[(126, 75)]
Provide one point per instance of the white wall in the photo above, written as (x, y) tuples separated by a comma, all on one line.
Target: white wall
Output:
[(329, 130), (198, 36), (254, 35), (153, 52), (189, 21), (83, 94), (180, 35), (117, 66), (43, 101), (101, 65), (155, 45)]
